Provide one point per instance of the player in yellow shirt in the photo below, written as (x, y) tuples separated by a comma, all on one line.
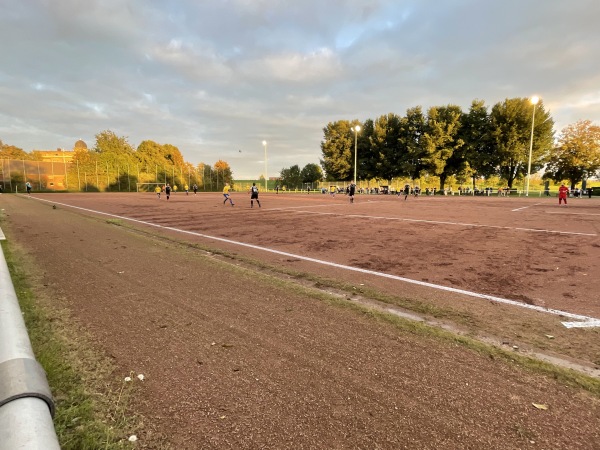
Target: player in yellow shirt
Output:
[(158, 190), (226, 194)]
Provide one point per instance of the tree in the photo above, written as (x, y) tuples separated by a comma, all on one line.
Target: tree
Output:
[(12, 152), (412, 161), (475, 131), (385, 145), (441, 139), (577, 155), (337, 148), (291, 177), (367, 160), (510, 123), (223, 172), (149, 155), (173, 155), (311, 173)]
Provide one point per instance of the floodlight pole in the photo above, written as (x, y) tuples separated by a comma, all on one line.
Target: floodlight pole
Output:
[(266, 178), (356, 129), (534, 100)]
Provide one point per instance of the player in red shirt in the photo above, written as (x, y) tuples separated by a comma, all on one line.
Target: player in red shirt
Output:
[(563, 191)]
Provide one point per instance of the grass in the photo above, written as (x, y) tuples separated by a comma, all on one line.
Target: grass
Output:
[(91, 401)]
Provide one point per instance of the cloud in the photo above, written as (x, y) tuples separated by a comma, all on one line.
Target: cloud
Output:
[(214, 77)]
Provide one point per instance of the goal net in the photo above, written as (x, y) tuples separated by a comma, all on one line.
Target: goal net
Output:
[(148, 187)]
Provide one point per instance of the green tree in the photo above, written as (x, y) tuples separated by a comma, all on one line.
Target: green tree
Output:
[(367, 159), (475, 131), (385, 146), (337, 148), (223, 174), (510, 123), (412, 161), (149, 155), (12, 152), (173, 155), (441, 139), (577, 155), (311, 173), (291, 177)]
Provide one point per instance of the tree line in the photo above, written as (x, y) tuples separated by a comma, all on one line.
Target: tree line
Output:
[(150, 162), (447, 142)]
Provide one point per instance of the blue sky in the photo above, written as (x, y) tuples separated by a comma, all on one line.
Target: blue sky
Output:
[(216, 77)]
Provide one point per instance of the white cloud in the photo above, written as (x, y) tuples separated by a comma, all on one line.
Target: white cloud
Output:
[(216, 77)]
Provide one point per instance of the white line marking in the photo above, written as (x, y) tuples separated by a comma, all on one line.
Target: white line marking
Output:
[(525, 207), (589, 320), (587, 324), (2, 237), (440, 222)]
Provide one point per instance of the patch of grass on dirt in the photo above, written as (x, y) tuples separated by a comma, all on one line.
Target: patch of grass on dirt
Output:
[(89, 413), (564, 376)]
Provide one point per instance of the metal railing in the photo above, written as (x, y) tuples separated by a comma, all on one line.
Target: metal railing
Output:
[(26, 404)]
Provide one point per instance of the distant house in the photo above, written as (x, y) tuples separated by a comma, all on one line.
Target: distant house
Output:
[(56, 177)]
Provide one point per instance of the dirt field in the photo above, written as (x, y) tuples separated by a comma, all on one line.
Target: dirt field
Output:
[(236, 356)]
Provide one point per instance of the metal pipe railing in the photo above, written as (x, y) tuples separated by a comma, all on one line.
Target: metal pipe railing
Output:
[(26, 405)]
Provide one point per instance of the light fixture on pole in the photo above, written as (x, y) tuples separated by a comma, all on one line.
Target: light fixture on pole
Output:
[(534, 101), (356, 129), (265, 145)]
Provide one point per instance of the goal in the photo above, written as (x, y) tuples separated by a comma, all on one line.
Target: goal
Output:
[(147, 187)]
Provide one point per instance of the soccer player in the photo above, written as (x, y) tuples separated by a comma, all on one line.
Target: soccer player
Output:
[(226, 194), (187, 189), (195, 188), (352, 191), (28, 186), (158, 190), (563, 191), (406, 191), (254, 195), (168, 191)]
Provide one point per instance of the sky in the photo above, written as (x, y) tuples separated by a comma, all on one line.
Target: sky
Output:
[(216, 78)]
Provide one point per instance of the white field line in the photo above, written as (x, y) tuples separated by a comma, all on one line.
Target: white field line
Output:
[(590, 320), (439, 222), (525, 207), (2, 237)]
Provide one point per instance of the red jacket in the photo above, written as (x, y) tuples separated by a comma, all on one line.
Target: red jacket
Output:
[(563, 191)]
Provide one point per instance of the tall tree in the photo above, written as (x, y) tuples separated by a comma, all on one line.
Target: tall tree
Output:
[(311, 173), (475, 131), (114, 151), (441, 139), (385, 145), (412, 162), (12, 152), (577, 155), (291, 177), (337, 148), (367, 159), (510, 123), (149, 155), (223, 172)]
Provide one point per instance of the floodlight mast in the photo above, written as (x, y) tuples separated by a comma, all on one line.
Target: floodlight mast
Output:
[(264, 143), (356, 129), (534, 101)]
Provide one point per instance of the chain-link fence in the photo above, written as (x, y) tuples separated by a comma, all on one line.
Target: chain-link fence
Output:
[(69, 175)]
